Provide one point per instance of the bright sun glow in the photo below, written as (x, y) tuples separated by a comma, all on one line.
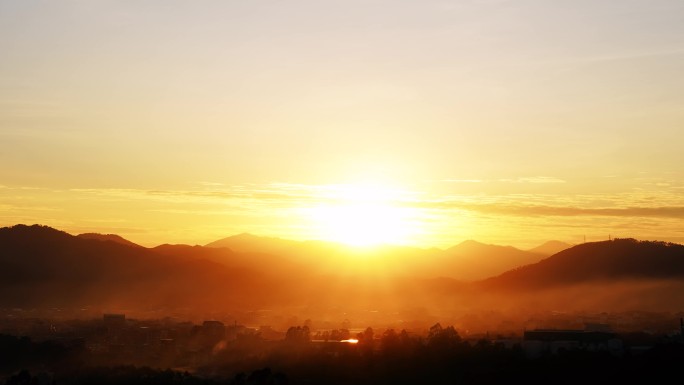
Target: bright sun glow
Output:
[(362, 215)]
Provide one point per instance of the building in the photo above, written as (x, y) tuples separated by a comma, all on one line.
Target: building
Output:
[(538, 341)]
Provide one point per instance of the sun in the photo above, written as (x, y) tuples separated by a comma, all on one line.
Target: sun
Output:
[(362, 216)]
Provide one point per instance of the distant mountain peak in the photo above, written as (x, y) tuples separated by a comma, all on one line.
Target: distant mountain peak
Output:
[(108, 237), (467, 244), (549, 248), (251, 242), (245, 235), (471, 242), (472, 245), (472, 260)]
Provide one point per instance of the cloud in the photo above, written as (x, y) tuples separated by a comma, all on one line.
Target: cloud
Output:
[(195, 196), (561, 211), (210, 184), (534, 179), (528, 179), (7, 208), (241, 199), (461, 180)]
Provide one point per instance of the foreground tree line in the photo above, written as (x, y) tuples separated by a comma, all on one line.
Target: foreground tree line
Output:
[(440, 357)]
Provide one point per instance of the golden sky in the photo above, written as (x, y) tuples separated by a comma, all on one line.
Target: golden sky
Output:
[(509, 122)]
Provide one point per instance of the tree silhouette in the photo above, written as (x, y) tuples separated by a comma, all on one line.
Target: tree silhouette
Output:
[(442, 339), (298, 334)]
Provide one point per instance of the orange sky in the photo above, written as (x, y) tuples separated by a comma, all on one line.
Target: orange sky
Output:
[(505, 121)]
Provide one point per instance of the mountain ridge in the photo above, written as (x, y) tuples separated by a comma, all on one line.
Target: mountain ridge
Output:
[(622, 258), (42, 266), (549, 248), (108, 237)]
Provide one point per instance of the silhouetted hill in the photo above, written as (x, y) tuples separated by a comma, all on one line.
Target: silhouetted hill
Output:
[(43, 266), (246, 242), (471, 260), (619, 259), (328, 257), (276, 253), (108, 237), (550, 248), (272, 265)]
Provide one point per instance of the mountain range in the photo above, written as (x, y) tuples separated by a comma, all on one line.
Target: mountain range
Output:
[(467, 261), (44, 267)]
